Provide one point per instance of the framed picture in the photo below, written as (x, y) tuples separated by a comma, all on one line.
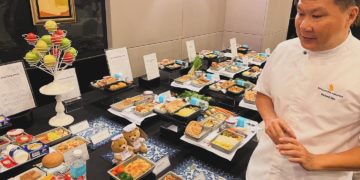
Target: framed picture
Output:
[(57, 10)]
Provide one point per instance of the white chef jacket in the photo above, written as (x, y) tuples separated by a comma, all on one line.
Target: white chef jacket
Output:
[(318, 95)]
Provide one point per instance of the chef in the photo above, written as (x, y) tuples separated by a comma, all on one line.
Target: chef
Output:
[(309, 98)]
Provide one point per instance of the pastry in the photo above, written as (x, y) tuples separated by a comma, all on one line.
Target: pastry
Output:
[(51, 26), (41, 46), (49, 61), (53, 160), (137, 167), (68, 58)]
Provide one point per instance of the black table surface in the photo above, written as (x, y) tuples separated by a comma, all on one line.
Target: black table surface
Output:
[(96, 103)]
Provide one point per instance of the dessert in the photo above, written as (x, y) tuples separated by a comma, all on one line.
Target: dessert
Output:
[(211, 122), (41, 46), (32, 57), (233, 69), (52, 135), (23, 139), (144, 108), (73, 51), (31, 38), (47, 39), (200, 82), (183, 79), (52, 160), (49, 61), (56, 39), (60, 32), (194, 129), (215, 66), (65, 43), (14, 133), (50, 26), (36, 149), (171, 176), (122, 104), (54, 51), (68, 58)]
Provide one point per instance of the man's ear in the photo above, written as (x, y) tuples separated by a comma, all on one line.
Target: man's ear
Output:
[(353, 13)]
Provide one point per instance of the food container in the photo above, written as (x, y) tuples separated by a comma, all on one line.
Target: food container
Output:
[(53, 136), (36, 149), (7, 162), (140, 162), (183, 79), (144, 109), (192, 131), (196, 112), (200, 82), (17, 154), (211, 122), (250, 96), (227, 141), (4, 142), (243, 50), (116, 86), (120, 106), (235, 90), (171, 176), (220, 116), (29, 174), (12, 134), (70, 144), (173, 66), (139, 99), (23, 139), (102, 83), (160, 109)]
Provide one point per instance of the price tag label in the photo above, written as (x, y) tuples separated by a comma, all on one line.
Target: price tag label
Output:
[(78, 127), (240, 82), (190, 46), (151, 66), (161, 165), (233, 47), (100, 136)]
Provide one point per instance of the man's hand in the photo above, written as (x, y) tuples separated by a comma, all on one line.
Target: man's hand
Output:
[(277, 128), (297, 153)]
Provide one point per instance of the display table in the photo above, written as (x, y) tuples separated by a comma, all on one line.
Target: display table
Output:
[(96, 104)]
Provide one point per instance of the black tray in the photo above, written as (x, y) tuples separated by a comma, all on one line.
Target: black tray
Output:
[(236, 94)]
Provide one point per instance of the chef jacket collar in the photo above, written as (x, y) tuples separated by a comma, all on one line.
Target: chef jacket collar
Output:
[(341, 48)]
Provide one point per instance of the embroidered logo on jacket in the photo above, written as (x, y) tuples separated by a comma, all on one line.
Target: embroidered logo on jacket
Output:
[(330, 92)]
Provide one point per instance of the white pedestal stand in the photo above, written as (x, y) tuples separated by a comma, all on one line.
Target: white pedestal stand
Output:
[(57, 89)]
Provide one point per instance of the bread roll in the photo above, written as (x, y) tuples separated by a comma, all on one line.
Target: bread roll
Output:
[(53, 160)]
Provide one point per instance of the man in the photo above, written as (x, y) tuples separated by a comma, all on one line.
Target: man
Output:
[(309, 98)]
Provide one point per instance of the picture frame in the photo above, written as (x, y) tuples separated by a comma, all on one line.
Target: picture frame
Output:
[(57, 10)]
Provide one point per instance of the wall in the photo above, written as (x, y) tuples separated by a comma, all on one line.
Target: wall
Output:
[(163, 27), (258, 23)]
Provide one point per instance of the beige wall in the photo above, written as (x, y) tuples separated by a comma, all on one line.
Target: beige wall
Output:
[(259, 23), (163, 27)]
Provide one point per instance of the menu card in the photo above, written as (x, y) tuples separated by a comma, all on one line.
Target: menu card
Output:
[(151, 66), (68, 77), (233, 47), (15, 92), (190, 46), (118, 61)]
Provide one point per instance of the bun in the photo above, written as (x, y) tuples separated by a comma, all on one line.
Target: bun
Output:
[(53, 160)]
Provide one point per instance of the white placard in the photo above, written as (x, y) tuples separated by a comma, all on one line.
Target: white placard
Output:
[(245, 60), (78, 127), (190, 46), (69, 155), (100, 136), (118, 61), (233, 47), (161, 165), (151, 66), (173, 128), (15, 91), (68, 78)]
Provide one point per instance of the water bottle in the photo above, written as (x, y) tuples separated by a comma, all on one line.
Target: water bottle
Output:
[(78, 166)]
